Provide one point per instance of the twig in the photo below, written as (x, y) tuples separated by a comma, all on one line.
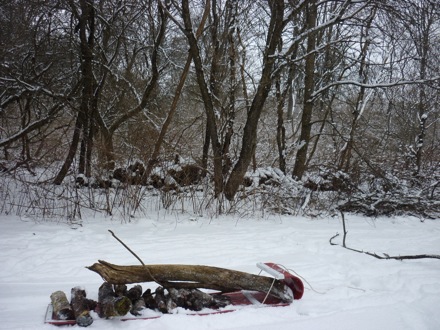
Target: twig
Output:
[(343, 227), (146, 267), (387, 257), (124, 245), (331, 239)]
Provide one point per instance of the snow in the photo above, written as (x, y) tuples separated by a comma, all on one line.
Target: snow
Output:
[(344, 289)]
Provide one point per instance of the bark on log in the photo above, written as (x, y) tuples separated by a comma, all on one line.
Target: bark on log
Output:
[(191, 277), (61, 306), (81, 307), (109, 304)]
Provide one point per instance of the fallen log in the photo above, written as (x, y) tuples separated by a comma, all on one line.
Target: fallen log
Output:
[(192, 277)]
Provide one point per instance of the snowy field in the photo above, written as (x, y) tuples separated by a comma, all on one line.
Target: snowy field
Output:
[(344, 289)]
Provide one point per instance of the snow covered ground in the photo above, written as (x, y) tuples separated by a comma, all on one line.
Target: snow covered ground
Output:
[(344, 289)]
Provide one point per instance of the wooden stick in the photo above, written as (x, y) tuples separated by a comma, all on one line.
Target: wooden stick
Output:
[(124, 245), (164, 284), (343, 227)]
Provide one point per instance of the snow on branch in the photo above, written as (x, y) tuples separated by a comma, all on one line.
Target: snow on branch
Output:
[(34, 125), (377, 85)]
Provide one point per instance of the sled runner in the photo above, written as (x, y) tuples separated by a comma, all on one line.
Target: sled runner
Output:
[(237, 300)]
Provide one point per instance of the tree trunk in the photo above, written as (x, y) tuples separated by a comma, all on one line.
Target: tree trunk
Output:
[(176, 98), (206, 97), (25, 118), (346, 152), (108, 148), (422, 116), (86, 26), (309, 85), (83, 147), (190, 277), (71, 153), (249, 140), (205, 150), (230, 112), (87, 37)]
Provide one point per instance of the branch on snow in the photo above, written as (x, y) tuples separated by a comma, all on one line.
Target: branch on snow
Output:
[(385, 255)]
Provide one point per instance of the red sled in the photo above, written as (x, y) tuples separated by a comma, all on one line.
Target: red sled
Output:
[(239, 299)]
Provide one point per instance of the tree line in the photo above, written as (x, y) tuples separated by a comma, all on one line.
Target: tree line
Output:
[(347, 86)]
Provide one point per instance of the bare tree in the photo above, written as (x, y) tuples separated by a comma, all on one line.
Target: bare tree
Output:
[(36, 76), (309, 86), (361, 99), (86, 29), (90, 114), (249, 139), (420, 22)]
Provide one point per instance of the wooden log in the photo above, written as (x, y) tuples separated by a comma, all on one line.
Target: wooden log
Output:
[(180, 297), (135, 293), (200, 300), (138, 303), (148, 297), (161, 300), (81, 307), (120, 290), (191, 277), (196, 300), (138, 306), (109, 304), (61, 306)]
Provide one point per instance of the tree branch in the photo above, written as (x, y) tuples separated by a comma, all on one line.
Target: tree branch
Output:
[(125, 245), (378, 85), (385, 255)]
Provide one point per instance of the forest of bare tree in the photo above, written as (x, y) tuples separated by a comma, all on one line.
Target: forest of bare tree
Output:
[(293, 105)]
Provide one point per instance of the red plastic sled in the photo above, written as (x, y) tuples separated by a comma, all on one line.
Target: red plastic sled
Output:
[(239, 299)]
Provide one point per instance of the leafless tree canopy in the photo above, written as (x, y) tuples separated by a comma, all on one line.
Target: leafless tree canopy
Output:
[(339, 89)]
